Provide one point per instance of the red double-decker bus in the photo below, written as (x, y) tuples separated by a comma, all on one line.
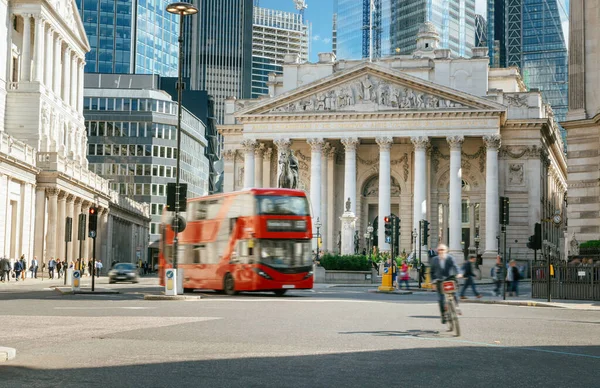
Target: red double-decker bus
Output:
[(252, 240)]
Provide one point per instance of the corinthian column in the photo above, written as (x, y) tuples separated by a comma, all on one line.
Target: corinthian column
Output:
[(258, 165), (60, 224), (420, 186), (39, 49), (316, 149), (350, 144), (492, 216), (455, 143), (228, 170), (26, 65), (40, 221), (385, 187), (324, 191), (74, 251), (66, 84), (57, 69), (266, 168), (249, 145), (48, 59), (52, 220)]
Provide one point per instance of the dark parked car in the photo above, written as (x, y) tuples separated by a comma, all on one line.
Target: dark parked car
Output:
[(123, 272)]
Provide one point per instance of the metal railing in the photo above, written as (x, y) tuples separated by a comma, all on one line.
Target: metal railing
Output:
[(579, 282)]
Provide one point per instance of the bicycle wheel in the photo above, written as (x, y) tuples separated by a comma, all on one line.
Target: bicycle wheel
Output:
[(454, 317), (449, 319)]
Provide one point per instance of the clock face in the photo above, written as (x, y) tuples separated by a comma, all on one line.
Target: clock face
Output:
[(557, 218)]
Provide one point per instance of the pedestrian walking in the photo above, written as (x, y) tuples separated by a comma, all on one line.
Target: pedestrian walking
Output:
[(98, 268), (512, 277), (58, 267), (90, 267), (23, 265), (34, 267), (469, 275), (404, 275), (17, 268), (51, 267), (4, 269), (498, 275)]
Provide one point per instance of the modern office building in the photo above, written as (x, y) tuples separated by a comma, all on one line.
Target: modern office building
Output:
[(130, 37), (396, 23), (220, 56), (201, 105), (274, 34), (528, 34), (132, 132), (480, 31)]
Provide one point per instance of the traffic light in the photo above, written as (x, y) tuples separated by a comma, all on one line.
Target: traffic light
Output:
[(535, 241), (171, 188), (388, 229), (425, 232), (93, 225), (397, 229), (504, 210)]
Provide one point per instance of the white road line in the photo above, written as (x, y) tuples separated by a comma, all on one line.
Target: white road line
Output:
[(104, 308)]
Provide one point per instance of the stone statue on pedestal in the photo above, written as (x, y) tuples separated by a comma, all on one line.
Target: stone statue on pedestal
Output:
[(348, 204)]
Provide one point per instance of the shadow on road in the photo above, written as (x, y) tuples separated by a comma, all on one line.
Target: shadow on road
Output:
[(452, 366)]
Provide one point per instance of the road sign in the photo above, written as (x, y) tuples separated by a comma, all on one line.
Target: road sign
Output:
[(92, 233), (76, 282), (170, 282), (385, 270)]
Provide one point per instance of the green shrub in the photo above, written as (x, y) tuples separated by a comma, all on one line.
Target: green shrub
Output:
[(590, 244), (345, 263)]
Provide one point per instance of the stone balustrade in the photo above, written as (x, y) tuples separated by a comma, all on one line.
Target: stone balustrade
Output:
[(17, 149), (52, 161)]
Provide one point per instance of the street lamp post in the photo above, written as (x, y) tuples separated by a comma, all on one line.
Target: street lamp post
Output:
[(318, 226), (370, 232), (181, 9)]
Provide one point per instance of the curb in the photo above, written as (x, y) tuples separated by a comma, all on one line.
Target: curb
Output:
[(390, 292), (174, 297), (7, 354), (512, 303), (69, 291)]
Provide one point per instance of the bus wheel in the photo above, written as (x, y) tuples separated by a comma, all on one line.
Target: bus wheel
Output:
[(229, 285), (279, 292)]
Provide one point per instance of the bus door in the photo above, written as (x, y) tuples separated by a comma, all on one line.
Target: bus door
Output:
[(242, 258)]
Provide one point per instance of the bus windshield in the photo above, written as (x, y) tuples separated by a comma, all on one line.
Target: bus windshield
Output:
[(282, 205), (285, 253)]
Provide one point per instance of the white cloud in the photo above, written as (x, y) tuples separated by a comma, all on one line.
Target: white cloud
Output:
[(326, 40), (317, 37)]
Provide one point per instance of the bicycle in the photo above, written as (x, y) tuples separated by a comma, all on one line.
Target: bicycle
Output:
[(449, 288)]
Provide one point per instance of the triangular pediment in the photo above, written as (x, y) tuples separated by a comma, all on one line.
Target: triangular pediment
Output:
[(68, 13), (370, 88)]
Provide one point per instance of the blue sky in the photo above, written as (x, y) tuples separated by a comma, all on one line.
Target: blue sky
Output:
[(320, 12)]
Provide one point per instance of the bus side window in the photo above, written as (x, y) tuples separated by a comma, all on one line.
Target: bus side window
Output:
[(201, 211), (199, 254), (232, 222)]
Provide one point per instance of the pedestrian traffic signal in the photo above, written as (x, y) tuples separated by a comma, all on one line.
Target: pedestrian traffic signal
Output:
[(425, 232), (504, 210), (535, 241), (388, 227), (93, 225)]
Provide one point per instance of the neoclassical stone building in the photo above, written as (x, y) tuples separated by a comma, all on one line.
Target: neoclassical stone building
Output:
[(583, 122), (43, 142), (424, 136)]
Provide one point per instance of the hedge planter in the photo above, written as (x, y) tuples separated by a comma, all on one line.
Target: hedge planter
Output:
[(345, 277)]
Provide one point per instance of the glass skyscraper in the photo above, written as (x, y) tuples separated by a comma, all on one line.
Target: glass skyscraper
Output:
[(219, 60), (528, 34), (130, 36), (395, 26)]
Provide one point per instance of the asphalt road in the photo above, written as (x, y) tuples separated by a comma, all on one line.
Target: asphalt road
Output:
[(328, 337)]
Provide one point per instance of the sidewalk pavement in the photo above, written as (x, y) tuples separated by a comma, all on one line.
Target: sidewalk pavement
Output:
[(527, 302)]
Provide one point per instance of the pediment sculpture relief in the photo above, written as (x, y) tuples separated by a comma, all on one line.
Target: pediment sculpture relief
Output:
[(367, 94)]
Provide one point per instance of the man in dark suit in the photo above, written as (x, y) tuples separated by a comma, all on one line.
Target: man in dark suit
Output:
[(443, 266)]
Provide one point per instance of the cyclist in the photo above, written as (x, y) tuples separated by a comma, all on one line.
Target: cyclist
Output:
[(443, 266)]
